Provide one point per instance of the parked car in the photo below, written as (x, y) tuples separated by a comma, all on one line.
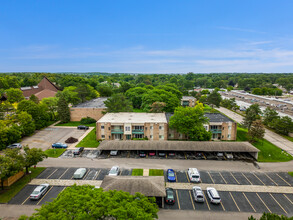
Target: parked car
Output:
[(171, 154), (152, 153), (220, 155), (114, 152), (229, 156), (213, 195), (39, 191), (162, 154), (114, 171), (142, 154), (170, 198), (59, 145), (171, 175), (15, 145), (78, 151), (197, 194), (79, 173), (193, 175), (82, 127)]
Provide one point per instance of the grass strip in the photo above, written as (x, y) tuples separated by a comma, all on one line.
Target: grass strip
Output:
[(54, 152), (89, 141), (156, 172), (75, 124), (137, 172), (290, 173)]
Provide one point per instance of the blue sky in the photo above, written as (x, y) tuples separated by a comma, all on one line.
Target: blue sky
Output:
[(146, 36)]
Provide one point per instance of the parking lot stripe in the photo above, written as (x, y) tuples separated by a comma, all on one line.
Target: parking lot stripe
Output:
[(178, 200), (278, 203), (175, 177), (234, 178), (271, 179), (263, 203), (185, 156), (249, 202), (283, 179), (259, 179), (88, 170), (25, 200), (207, 202), (211, 177), (288, 199), (51, 173), (204, 156), (223, 206), (223, 177), (63, 173), (246, 178), (97, 174), (234, 201), (187, 177), (191, 200), (128, 154), (44, 195)]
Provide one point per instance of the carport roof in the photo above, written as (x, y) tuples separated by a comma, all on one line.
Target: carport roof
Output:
[(147, 185), (205, 146)]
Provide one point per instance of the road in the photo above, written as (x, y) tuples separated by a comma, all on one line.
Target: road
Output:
[(272, 137)]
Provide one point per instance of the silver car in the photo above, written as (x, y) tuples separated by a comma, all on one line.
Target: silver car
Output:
[(15, 145), (39, 191), (114, 171), (197, 194)]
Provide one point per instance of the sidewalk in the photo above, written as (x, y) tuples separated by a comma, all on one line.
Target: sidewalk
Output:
[(58, 182)]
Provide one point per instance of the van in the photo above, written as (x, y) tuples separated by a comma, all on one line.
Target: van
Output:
[(79, 173), (193, 175)]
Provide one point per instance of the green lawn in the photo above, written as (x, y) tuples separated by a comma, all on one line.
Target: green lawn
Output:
[(156, 172), (54, 152), (268, 151), (75, 124), (137, 172), (89, 141), (290, 173), (10, 192)]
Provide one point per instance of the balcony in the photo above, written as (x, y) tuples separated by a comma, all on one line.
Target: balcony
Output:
[(137, 131), (216, 131), (117, 131)]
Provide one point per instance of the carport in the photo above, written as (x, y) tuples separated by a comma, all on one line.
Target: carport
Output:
[(153, 186), (197, 146)]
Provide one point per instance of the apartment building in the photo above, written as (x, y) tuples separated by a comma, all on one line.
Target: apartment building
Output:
[(188, 101), (128, 125)]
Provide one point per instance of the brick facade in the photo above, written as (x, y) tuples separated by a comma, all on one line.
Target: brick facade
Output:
[(76, 114)]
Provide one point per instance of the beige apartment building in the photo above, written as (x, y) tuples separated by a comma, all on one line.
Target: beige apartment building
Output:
[(188, 101), (128, 125)]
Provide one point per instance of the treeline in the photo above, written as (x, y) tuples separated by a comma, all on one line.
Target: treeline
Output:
[(267, 91)]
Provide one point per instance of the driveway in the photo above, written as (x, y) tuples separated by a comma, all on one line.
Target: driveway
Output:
[(46, 137), (272, 137)]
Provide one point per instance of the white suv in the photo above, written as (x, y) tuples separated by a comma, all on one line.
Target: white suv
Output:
[(114, 171), (193, 175), (213, 195)]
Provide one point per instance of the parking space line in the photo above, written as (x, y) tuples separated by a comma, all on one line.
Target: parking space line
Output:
[(191, 200), (283, 179), (178, 200), (175, 177), (128, 155), (211, 177), (246, 178), (204, 156), (97, 174), (185, 156), (278, 203), (264, 203), (25, 200), (51, 174), (63, 173), (288, 199), (223, 206), (223, 177), (234, 201), (249, 202), (44, 195), (206, 201), (187, 177), (86, 174), (259, 179), (234, 178), (271, 179)]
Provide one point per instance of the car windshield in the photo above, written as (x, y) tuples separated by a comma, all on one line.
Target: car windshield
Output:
[(170, 195), (112, 171), (195, 176), (199, 196), (170, 173), (36, 192)]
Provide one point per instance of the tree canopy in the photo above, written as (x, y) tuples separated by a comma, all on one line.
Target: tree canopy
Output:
[(118, 103)]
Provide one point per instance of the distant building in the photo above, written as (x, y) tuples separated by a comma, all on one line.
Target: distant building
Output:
[(44, 89), (188, 101), (93, 108)]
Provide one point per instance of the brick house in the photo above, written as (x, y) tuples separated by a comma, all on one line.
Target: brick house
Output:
[(188, 101)]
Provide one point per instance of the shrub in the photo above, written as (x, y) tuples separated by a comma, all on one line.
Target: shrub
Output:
[(87, 120)]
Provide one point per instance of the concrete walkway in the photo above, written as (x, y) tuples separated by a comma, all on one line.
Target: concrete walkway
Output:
[(272, 137), (58, 182), (146, 172), (72, 146)]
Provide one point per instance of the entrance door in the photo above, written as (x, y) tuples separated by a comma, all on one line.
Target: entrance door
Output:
[(117, 136)]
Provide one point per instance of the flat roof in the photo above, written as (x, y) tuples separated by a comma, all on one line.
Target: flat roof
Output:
[(213, 117), (94, 103), (133, 117), (187, 97), (204, 146)]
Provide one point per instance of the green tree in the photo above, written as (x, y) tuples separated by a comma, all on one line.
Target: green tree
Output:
[(63, 110), (32, 156), (34, 99), (9, 134), (214, 98), (283, 125), (70, 95), (86, 92), (51, 103), (256, 131), (157, 107), (135, 95), (252, 113), (118, 103), (104, 90), (14, 95), (25, 122), (91, 203), (269, 115), (229, 88), (190, 121)]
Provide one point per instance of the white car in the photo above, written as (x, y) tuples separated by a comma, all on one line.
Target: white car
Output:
[(114, 171), (193, 175), (213, 195), (197, 194), (39, 191), (15, 145)]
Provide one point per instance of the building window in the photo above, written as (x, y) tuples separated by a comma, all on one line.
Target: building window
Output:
[(229, 127), (161, 127), (151, 136), (214, 127), (138, 127), (229, 136), (103, 136), (222, 136), (223, 128), (146, 128), (128, 137), (179, 135), (109, 137), (151, 127), (102, 127), (109, 128), (161, 136), (127, 128)]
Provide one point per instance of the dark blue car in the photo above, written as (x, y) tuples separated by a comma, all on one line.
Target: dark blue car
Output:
[(59, 145), (171, 175)]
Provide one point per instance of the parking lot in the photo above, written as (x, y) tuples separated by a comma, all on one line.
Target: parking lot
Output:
[(47, 136), (279, 203)]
